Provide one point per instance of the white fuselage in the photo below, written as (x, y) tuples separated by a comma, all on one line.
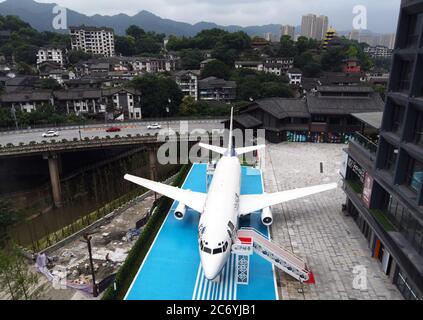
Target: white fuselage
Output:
[(219, 221)]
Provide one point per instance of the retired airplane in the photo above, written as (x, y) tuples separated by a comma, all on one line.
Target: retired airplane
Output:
[(223, 205)]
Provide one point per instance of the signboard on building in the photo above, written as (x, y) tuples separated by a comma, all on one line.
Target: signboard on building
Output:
[(356, 168), (367, 189), (344, 166)]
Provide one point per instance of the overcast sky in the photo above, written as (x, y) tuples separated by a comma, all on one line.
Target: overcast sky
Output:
[(382, 14)]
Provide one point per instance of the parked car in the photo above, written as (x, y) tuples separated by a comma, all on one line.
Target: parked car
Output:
[(50, 134), (113, 129), (154, 126)]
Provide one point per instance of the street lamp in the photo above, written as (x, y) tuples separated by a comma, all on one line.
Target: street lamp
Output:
[(13, 111), (88, 239), (168, 111)]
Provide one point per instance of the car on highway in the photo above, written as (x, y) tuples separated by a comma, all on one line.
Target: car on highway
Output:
[(154, 126), (50, 134), (113, 129)]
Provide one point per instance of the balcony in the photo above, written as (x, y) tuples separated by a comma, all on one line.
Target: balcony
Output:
[(362, 146), (364, 142)]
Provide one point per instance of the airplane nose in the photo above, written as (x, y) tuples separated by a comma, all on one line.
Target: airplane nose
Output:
[(210, 273), (211, 267)]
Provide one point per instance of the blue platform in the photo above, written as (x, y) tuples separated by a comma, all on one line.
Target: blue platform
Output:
[(172, 269)]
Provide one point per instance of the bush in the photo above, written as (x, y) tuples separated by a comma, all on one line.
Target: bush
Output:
[(10, 145), (53, 141), (86, 139), (129, 135), (44, 142), (117, 136), (75, 139), (138, 252), (21, 144), (64, 140), (108, 137), (96, 138), (32, 143)]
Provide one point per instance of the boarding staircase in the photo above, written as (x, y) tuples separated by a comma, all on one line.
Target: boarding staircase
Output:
[(249, 240)]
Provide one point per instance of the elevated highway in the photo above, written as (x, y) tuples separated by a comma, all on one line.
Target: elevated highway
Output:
[(72, 139)]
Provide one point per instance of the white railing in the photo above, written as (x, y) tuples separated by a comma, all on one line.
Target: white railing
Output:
[(278, 256)]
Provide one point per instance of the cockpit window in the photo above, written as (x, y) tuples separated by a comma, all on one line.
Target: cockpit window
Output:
[(218, 250)]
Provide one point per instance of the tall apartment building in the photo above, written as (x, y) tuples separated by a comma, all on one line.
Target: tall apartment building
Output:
[(287, 30), (314, 27), (386, 40), (54, 54), (100, 41), (383, 177)]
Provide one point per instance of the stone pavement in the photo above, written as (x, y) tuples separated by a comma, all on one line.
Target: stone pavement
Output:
[(315, 228)]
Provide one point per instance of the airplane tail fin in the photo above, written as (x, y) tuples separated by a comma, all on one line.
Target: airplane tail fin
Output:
[(231, 127), (231, 149)]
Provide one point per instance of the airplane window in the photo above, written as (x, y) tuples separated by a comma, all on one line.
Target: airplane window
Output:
[(230, 234), (207, 250), (231, 225)]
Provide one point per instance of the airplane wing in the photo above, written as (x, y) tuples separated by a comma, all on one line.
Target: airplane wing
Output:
[(193, 200), (252, 203), (240, 151)]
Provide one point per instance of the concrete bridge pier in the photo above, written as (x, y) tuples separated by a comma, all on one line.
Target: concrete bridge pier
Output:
[(53, 166)]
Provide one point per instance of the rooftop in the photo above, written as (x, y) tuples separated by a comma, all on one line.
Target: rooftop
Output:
[(373, 119)]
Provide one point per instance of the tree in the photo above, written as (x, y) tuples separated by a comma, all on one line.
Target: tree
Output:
[(191, 59), (287, 47), (216, 69), (158, 93), (135, 32), (125, 45), (50, 84), (6, 119), (188, 107), (75, 56), (312, 70), (8, 217), (15, 275), (332, 59)]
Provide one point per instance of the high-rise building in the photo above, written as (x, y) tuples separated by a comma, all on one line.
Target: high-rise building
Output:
[(307, 25), (314, 27), (321, 27), (287, 30), (364, 36), (383, 172), (94, 40)]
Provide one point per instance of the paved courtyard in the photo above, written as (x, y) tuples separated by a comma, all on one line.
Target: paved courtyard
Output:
[(315, 228)]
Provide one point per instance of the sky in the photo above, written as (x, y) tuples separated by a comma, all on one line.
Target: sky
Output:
[(382, 14)]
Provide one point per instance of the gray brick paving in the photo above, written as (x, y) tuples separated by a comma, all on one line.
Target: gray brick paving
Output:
[(315, 228)]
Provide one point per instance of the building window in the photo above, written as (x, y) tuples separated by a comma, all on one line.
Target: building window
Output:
[(406, 67), (418, 129), (414, 26), (414, 174), (391, 158), (397, 117)]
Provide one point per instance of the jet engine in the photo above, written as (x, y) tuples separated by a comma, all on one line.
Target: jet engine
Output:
[(266, 216), (180, 211)]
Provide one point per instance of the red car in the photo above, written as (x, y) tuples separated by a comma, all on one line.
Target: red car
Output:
[(113, 129)]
